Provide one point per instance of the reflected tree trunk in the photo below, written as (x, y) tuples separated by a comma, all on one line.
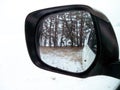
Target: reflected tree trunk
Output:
[(81, 30), (50, 33)]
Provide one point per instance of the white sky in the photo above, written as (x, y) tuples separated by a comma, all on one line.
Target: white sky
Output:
[(17, 72)]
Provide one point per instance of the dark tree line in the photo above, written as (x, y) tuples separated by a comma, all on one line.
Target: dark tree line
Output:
[(66, 29)]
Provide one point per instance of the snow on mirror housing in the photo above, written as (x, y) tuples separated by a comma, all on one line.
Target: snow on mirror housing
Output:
[(67, 40), (74, 40)]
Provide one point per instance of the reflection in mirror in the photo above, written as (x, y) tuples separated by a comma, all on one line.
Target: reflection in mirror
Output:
[(67, 41)]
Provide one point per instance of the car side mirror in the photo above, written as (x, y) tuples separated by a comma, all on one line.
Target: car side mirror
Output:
[(74, 40)]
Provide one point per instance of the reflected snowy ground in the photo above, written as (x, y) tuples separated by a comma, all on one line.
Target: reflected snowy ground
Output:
[(73, 59), (64, 58)]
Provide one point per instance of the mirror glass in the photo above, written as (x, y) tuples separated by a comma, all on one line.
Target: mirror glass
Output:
[(67, 40)]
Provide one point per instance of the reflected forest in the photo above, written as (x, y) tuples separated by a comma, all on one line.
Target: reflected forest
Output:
[(66, 29)]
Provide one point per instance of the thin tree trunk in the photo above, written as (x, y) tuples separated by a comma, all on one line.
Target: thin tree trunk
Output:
[(81, 29), (50, 33)]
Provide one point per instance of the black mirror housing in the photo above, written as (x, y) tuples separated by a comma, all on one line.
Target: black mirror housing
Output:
[(107, 47)]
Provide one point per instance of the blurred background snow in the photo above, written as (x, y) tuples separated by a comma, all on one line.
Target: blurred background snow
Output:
[(17, 72)]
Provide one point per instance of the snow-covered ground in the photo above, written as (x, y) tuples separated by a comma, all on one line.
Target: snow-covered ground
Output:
[(66, 58), (71, 59)]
